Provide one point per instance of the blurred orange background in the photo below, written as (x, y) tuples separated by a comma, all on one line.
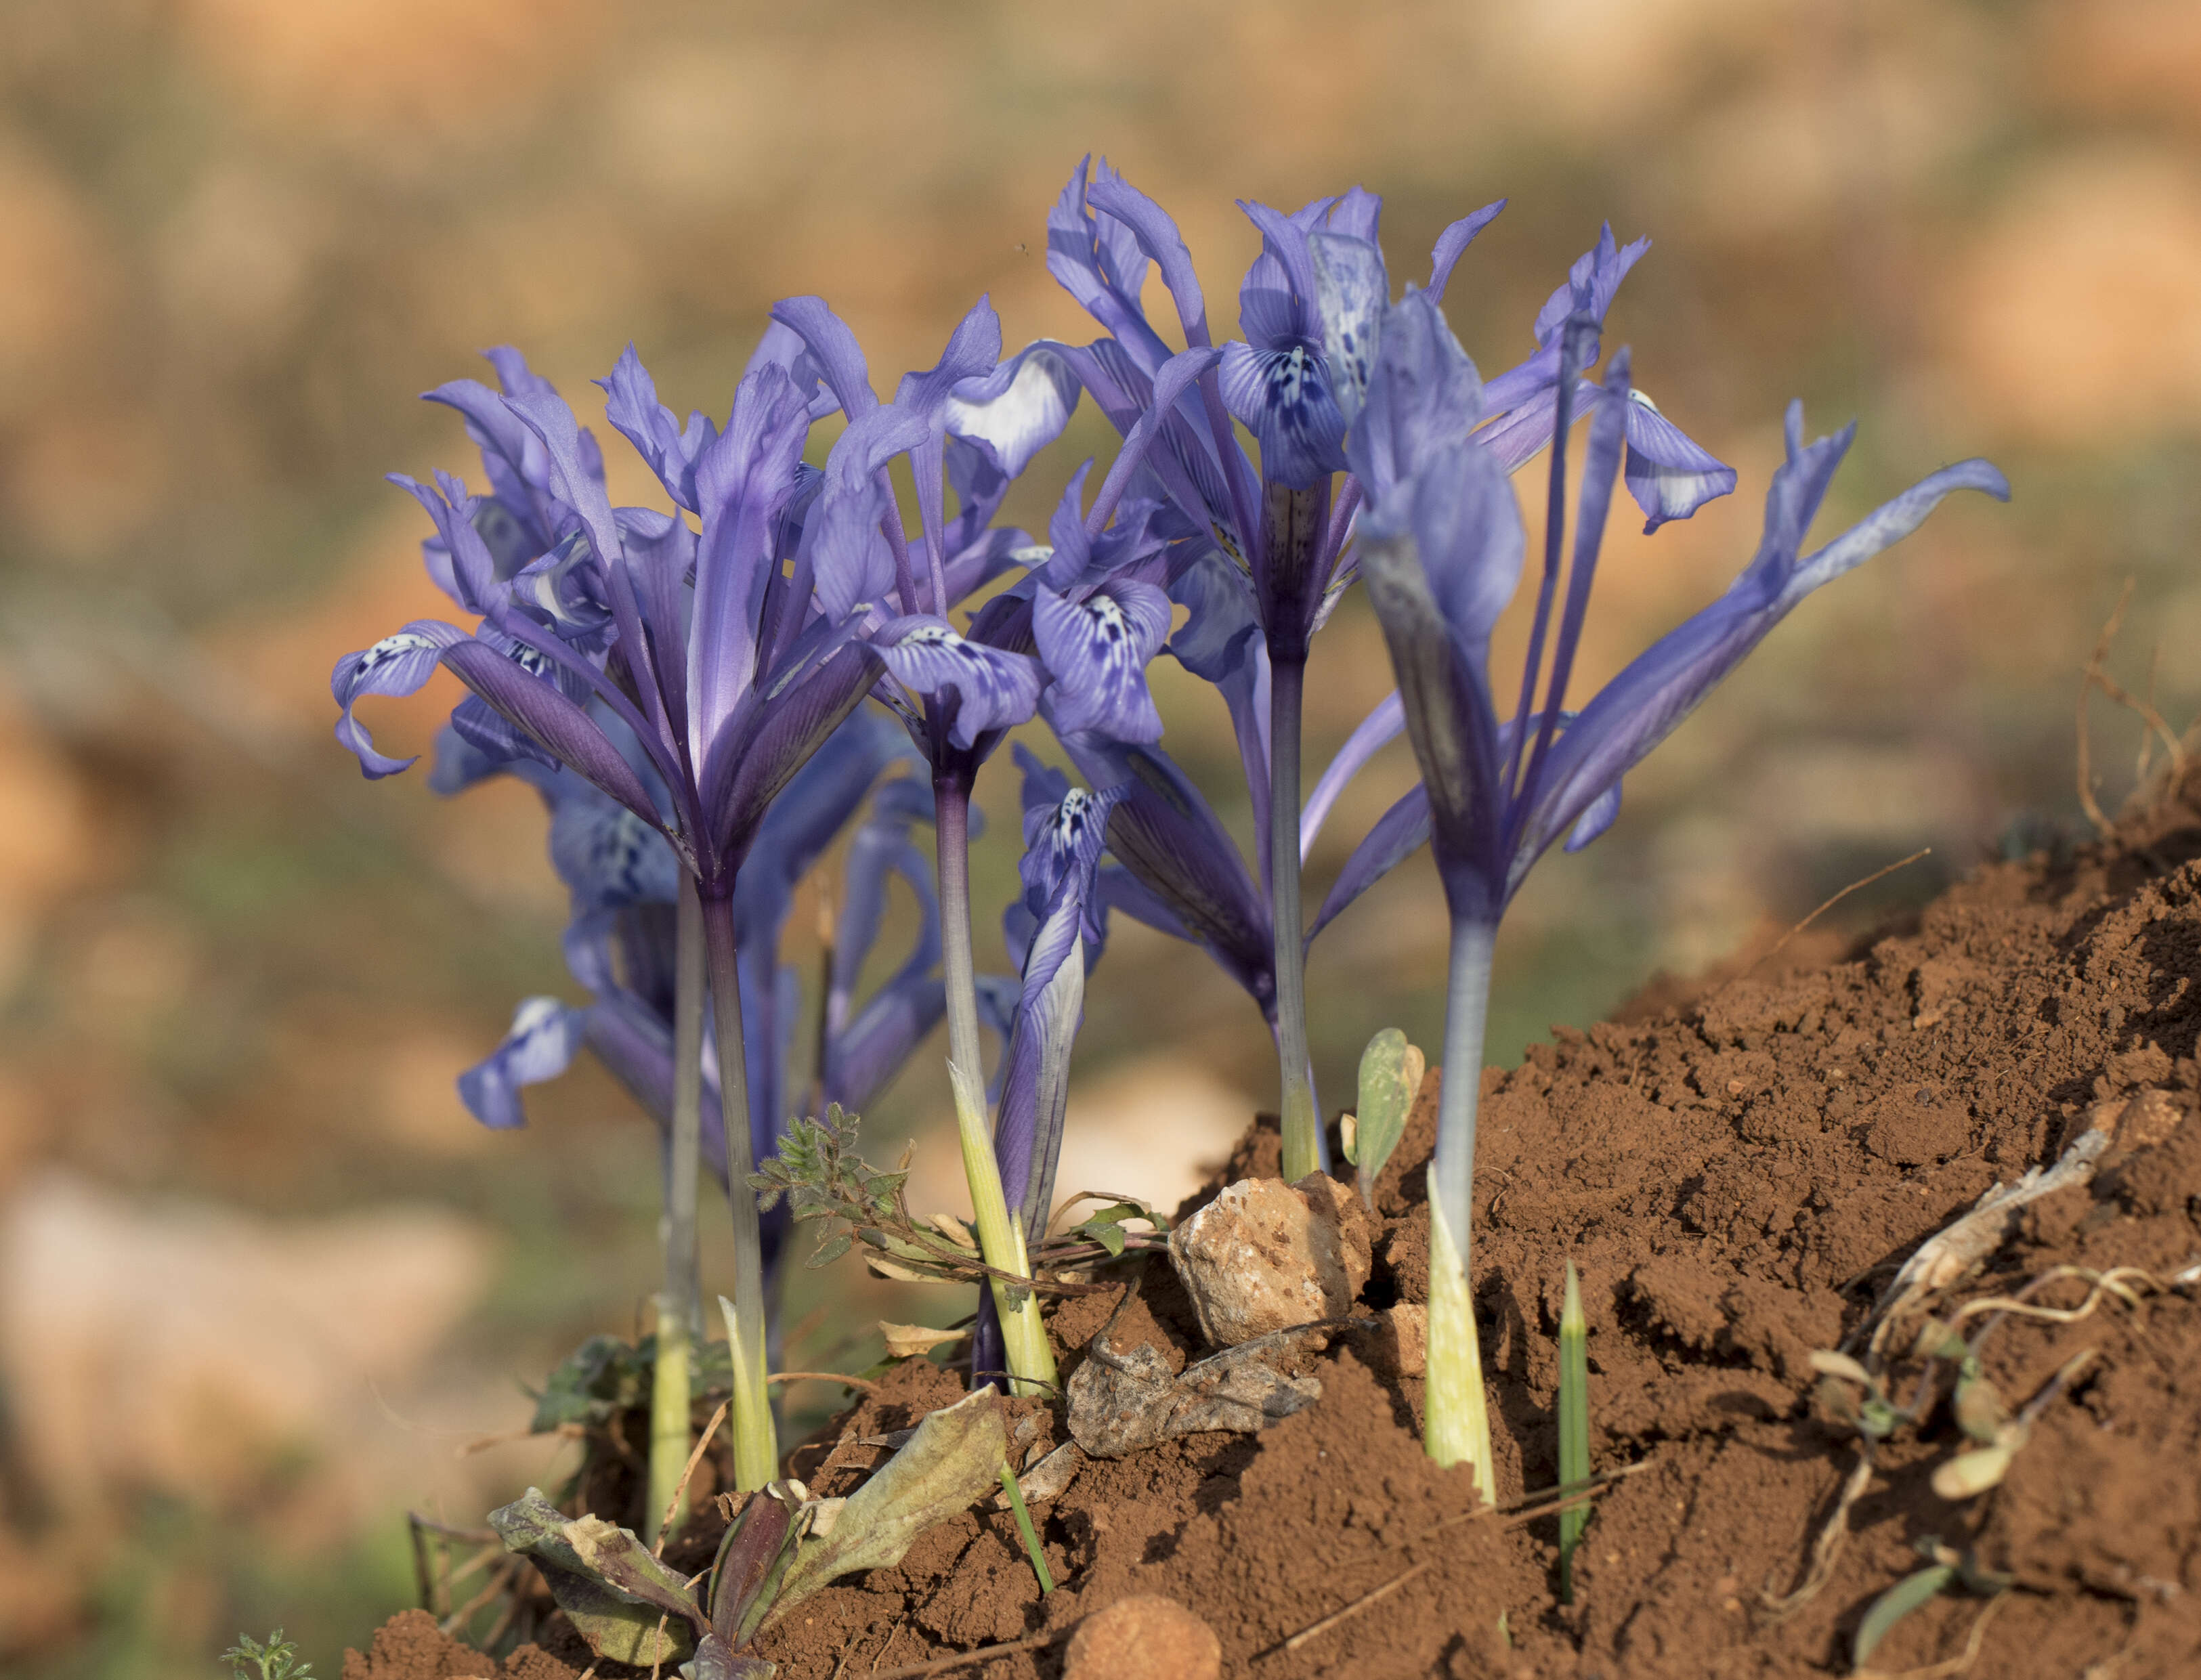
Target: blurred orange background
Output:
[(260, 1277)]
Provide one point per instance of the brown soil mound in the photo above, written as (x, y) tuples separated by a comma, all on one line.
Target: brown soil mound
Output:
[(1736, 1178)]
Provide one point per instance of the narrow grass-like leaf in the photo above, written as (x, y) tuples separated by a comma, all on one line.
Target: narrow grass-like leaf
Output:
[(1015, 1495), (1906, 1595), (1574, 1426)]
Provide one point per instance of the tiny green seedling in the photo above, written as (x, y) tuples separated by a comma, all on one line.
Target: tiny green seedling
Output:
[(277, 1659), (1391, 1072), (1574, 1426), (1945, 1568), (1015, 1495)]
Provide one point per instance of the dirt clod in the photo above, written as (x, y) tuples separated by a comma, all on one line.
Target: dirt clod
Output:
[(1146, 1637)]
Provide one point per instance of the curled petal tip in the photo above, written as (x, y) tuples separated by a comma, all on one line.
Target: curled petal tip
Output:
[(1981, 474)]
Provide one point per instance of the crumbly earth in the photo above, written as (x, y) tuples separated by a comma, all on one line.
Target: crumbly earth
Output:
[(1737, 1172)]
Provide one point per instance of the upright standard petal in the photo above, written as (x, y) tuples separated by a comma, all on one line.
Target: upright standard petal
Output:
[(1097, 259), (473, 575), (672, 453), (834, 351), (1158, 237), (1452, 242), (743, 480), (1590, 284)]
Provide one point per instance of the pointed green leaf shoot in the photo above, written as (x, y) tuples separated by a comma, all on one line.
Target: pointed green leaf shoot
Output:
[(1015, 1495), (1574, 1426)]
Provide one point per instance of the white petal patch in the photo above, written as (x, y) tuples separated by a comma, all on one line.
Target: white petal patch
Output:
[(1019, 420), (1352, 291), (388, 649)]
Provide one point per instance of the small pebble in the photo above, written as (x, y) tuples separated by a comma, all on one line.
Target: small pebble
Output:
[(1265, 1256), (1144, 1638)]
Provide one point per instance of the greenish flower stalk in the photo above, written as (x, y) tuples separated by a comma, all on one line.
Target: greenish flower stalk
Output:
[(1015, 1495), (1459, 1415), (1458, 1420), (755, 1432), (669, 1419), (1029, 1357), (679, 1316), (1574, 1426)]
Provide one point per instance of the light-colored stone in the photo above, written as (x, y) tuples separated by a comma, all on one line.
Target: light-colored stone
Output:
[(1144, 1638), (1265, 1255), (1397, 1344)]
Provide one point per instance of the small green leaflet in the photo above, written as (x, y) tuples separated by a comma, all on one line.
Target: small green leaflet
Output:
[(1908, 1595), (1391, 1072)]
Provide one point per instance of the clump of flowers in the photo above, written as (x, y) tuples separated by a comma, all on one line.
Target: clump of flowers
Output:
[(707, 698)]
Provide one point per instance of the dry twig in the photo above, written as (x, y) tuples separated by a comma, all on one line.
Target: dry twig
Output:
[(1547, 1502), (680, 1493), (857, 1382), (2096, 677), (1881, 873), (1826, 1549), (964, 1659)]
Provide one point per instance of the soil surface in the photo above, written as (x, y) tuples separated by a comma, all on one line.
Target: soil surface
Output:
[(1737, 1170)]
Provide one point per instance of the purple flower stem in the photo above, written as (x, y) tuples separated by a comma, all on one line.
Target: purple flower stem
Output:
[(679, 1311), (1302, 1127)]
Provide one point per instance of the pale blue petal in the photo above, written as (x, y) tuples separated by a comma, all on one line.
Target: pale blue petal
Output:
[(544, 1036)]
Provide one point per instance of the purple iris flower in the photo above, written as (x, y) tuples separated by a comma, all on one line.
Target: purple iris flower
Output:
[(1278, 531), (727, 687), (723, 654), (1442, 548)]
